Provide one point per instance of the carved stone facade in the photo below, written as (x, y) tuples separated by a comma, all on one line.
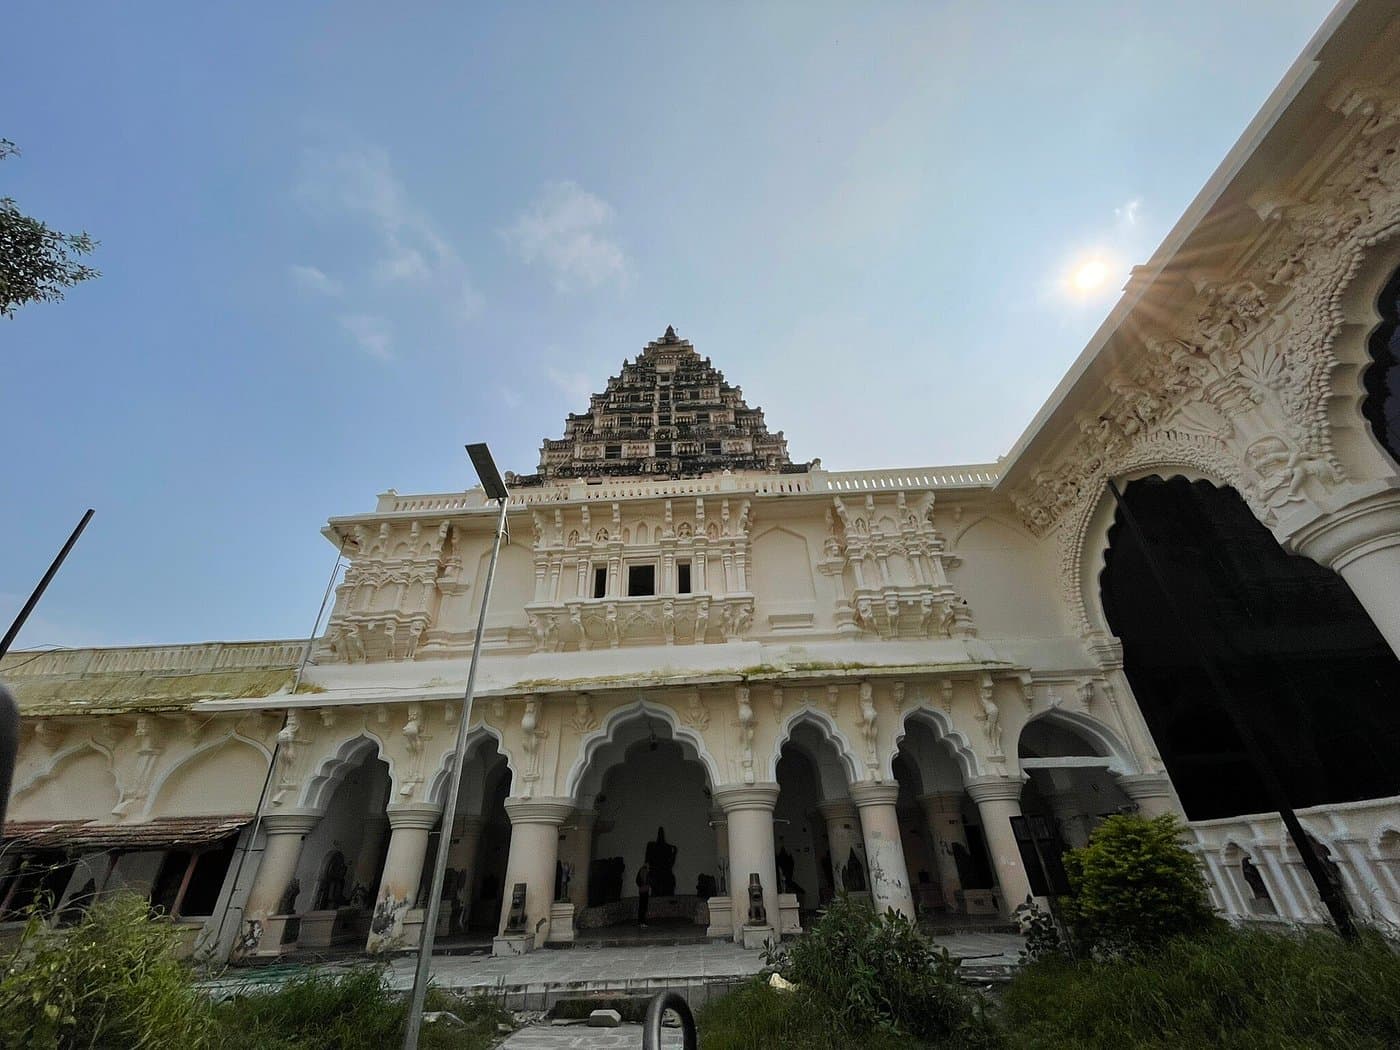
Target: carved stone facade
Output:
[(786, 660)]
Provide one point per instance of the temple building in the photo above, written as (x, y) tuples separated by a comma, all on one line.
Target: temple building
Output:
[(917, 683)]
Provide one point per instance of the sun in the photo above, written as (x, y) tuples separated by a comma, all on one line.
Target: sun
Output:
[(1089, 276)]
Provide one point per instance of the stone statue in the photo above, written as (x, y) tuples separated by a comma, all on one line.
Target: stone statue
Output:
[(853, 874), (786, 863), (758, 914), (566, 876), (515, 923), (661, 857), (332, 891), (287, 905)]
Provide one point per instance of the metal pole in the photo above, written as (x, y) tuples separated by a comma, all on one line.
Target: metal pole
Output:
[(1331, 897), (18, 625), (449, 811)]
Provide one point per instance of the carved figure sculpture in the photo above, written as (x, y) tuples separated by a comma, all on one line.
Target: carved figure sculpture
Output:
[(332, 891), (287, 905), (515, 921), (661, 858), (758, 914)]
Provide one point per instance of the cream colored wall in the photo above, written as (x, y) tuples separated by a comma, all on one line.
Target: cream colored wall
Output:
[(225, 778), (76, 786)]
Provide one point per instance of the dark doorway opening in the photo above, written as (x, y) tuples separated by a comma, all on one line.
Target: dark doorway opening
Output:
[(1303, 660)]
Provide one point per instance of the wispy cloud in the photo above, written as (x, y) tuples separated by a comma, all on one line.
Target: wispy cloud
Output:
[(566, 230), (1127, 214), (374, 335), (577, 386), (511, 397), (315, 280), (412, 255)]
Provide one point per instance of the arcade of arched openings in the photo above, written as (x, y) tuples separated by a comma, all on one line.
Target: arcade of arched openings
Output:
[(746, 683)]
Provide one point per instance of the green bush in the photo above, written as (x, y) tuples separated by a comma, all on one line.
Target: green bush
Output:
[(1135, 886), (877, 973), (1232, 989), (110, 981), (755, 1017), (355, 1010)]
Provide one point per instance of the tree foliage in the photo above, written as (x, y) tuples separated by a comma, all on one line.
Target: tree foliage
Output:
[(1135, 886), (36, 263)]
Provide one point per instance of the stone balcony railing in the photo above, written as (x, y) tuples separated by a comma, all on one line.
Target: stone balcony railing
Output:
[(199, 658), (974, 476)]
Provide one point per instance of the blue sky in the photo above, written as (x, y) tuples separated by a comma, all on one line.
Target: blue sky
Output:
[(339, 241)]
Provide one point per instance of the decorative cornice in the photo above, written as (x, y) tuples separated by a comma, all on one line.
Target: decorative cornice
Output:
[(539, 810), (995, 789)]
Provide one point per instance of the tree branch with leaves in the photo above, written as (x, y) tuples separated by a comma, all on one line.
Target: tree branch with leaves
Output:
[(37, 263)]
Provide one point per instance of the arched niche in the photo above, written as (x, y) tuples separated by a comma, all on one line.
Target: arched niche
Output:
[(817, 734), (1301, 659), (624, 726), (225, 777), (484, 752), (78, 785)]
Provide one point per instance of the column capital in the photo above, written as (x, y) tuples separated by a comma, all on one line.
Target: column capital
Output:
[(298, 822), (837, 809), (733, 798), (1366, 520), (718, 816), (867, 794), (421, 815), (539, 810), (1138, 786), (995, 789)]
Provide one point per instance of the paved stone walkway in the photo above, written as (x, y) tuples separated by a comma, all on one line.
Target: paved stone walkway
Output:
[(624, 1037)]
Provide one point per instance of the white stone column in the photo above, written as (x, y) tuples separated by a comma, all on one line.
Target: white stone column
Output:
[(1152, 792), (749, 808), (281, 853), (534, 849), (409, 826), (577, 849), (943, 809), (843, 834), (1359, 538), (998, 800), (884, 850), (461, 858)]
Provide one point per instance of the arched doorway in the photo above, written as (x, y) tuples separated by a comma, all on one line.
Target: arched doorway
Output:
[(645, 797), (1304, 663), (817, 840), (950, 868)]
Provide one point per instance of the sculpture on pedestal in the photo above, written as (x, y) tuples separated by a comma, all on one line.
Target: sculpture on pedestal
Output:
[(758, 914), (515, 922)]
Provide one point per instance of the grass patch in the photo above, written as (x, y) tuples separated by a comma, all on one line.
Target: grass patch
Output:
[(352, 1011), (1233, 989), (755, 1017)]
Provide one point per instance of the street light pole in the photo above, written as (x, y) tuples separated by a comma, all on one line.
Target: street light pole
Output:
[(495, 490)]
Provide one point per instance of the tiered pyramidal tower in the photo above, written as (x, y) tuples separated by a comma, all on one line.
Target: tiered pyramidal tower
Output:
[(670, 414)]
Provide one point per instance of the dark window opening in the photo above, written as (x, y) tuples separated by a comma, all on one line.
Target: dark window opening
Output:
[(683, 577), (1304, 664), (641, 580), (663, 448), (612, 452), (38, 879), (600, 581), (712, 448), (207, 879), (165, 891), (1381, 406)]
